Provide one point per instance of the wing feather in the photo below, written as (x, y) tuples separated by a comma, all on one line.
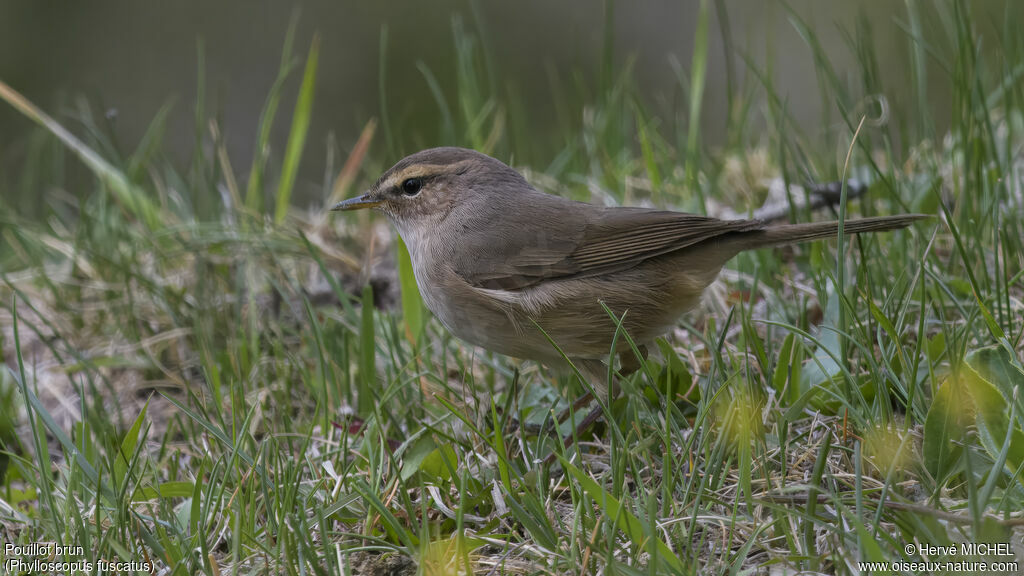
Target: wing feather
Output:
[(584, 240)]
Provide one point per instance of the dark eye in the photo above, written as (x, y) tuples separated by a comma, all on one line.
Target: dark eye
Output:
[(412, 186)]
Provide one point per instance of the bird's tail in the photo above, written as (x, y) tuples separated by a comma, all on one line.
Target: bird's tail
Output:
[(793, 233)]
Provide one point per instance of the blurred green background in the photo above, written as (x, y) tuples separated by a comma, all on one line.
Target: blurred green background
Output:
[(210, 375), (126, 60)]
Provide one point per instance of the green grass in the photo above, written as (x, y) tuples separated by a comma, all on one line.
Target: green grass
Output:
[(195, 381)]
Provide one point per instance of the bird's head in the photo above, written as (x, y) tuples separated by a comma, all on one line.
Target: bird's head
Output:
[(423, 188)]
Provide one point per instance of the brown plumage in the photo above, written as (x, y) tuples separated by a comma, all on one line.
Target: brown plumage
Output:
[(492, 255)]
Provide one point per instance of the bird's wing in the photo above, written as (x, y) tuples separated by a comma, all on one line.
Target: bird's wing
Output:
[(590, 241), (623, 237)]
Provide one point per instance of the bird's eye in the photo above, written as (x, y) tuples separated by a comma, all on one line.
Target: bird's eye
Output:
[(412, 186)]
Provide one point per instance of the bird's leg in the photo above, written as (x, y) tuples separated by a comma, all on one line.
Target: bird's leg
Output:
[(551, 425), (628, 361), (577, 405), (596, 374), (593, 416), (629, 364)]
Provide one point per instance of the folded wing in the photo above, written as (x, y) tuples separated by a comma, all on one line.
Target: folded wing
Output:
[(579, 240)]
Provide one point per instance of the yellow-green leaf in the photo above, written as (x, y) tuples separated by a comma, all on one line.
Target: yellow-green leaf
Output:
[(944, 427), (993, 420)]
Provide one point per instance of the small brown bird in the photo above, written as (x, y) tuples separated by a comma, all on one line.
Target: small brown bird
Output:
[(493, 256)]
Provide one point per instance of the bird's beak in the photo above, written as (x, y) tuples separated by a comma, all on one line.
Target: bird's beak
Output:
[(358, 203)]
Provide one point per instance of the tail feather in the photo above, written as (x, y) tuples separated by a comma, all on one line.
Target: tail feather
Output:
[(794, 233)]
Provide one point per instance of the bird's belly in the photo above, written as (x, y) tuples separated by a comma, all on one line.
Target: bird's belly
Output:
[(482, 321), (569, 311)]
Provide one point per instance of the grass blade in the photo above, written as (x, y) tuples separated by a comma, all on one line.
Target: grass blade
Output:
[(624, 519), (367, 355), (131, 197), (413, 309), (254, 190), (297, 136)]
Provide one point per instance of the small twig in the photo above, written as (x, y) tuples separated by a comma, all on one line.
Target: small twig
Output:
[(821, 196)]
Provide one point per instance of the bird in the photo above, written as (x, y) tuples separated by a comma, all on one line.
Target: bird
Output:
[(529, 274)]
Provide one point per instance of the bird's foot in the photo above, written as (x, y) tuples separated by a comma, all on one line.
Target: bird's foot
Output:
[(550, 425), (581, 428)]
